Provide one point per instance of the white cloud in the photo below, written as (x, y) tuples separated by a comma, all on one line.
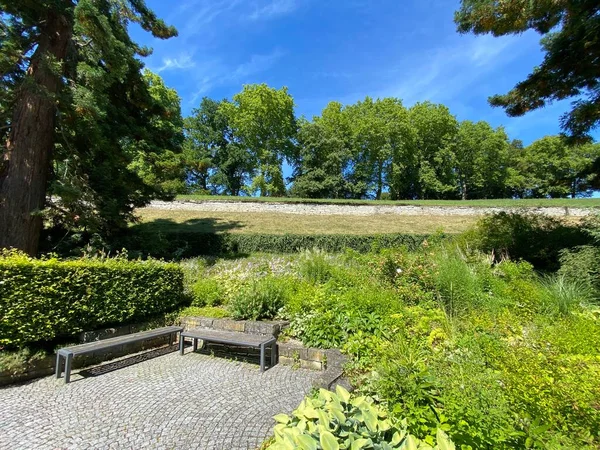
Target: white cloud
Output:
[(447, 71), (222, 74), (273, 8), (181, 62)]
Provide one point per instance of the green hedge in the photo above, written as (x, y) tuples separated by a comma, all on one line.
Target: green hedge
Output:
[(41, 300), (189, 244)]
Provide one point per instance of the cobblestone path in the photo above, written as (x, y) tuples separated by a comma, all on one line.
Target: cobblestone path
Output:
[(163, 402)]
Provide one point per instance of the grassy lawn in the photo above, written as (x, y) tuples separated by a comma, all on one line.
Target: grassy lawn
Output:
[(154, 220), (532, 203)]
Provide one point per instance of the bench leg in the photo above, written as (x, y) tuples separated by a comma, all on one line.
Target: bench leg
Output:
[(195, 344), (58, 369), (262, 357), (68, 365), (181, 343), (273, 353), (171, 340)]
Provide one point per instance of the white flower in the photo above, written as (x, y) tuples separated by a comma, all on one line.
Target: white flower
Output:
[(398, 270)]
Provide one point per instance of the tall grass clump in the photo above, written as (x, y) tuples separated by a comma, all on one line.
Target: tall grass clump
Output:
[(260, 299), (315, 266), (562, 296)]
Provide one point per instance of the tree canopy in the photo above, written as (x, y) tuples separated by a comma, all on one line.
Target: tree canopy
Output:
[(372, 149), (81, 117), (571, 42)]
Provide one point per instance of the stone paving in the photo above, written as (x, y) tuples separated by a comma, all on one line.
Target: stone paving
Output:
[(160, 400)]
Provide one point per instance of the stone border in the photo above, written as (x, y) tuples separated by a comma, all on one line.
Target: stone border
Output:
[(290, 352), (329, 361), (242, 326)]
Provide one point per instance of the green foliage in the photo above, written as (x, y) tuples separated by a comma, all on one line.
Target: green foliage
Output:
[(315, 266), (562, 296), (207, 292), (332, 421), (41, 300), (443, 335), (259, 299), (205, 311), (263, 121), (570, 42), (16, 362), (582, 264), (185, 245), (536, 238)]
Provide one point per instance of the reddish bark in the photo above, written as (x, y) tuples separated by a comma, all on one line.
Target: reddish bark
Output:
[(25, 165)]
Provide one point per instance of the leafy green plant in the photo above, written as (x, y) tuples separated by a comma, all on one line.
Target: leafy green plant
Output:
[(187, 244), (315, 266), (207, 292), (562, 296), (582, 264), (333, 421), (537, 238), (259, 299), (204, 311)]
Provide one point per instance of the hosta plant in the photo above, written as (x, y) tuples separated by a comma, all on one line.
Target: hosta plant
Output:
[(335, 421)]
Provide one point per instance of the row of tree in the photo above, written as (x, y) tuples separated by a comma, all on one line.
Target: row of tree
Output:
[(370, 149)]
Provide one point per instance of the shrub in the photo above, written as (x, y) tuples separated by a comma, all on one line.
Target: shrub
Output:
[(562, 295), (315, 266), (205, 311), (189, 244), (259, 299), (536, 238), (582, 264), (46, 299), (331, 421), (207, 292)]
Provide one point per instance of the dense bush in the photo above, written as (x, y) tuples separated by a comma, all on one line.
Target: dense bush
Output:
[(186, 245), (537, 238), (582, 264), (259, 299), (207, 292), (44, 299), (331, 421)]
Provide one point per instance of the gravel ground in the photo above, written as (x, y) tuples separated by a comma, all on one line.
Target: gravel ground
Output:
[(355, 210)]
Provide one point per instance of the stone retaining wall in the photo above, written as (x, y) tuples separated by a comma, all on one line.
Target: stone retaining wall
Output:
[(289, 352), (317, 209)]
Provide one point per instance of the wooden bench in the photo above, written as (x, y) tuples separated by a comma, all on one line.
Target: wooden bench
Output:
[(232, 338), (69, 352)]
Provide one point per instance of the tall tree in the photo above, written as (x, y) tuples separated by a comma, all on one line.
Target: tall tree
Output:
[(482, 161), (48, 42), (323, 155), (215, 161), (571, 42), (263, 121), (435, 128), (554, 168)]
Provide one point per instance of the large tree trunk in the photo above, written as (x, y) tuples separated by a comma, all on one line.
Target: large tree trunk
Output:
[(25, 165)]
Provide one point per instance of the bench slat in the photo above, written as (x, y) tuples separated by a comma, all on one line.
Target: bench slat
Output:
[(226, 337), (119, 340)]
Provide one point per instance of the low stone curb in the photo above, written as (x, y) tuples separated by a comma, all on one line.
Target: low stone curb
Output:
[(330, 362)]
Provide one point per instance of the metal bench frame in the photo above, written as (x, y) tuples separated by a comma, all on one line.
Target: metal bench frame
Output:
[(232, 338), (68, 353)]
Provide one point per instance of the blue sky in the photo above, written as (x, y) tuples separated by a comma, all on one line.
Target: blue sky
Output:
[(345, 50)]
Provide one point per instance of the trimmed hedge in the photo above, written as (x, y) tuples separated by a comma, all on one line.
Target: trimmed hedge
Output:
[(190, 244), (41, 300)]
